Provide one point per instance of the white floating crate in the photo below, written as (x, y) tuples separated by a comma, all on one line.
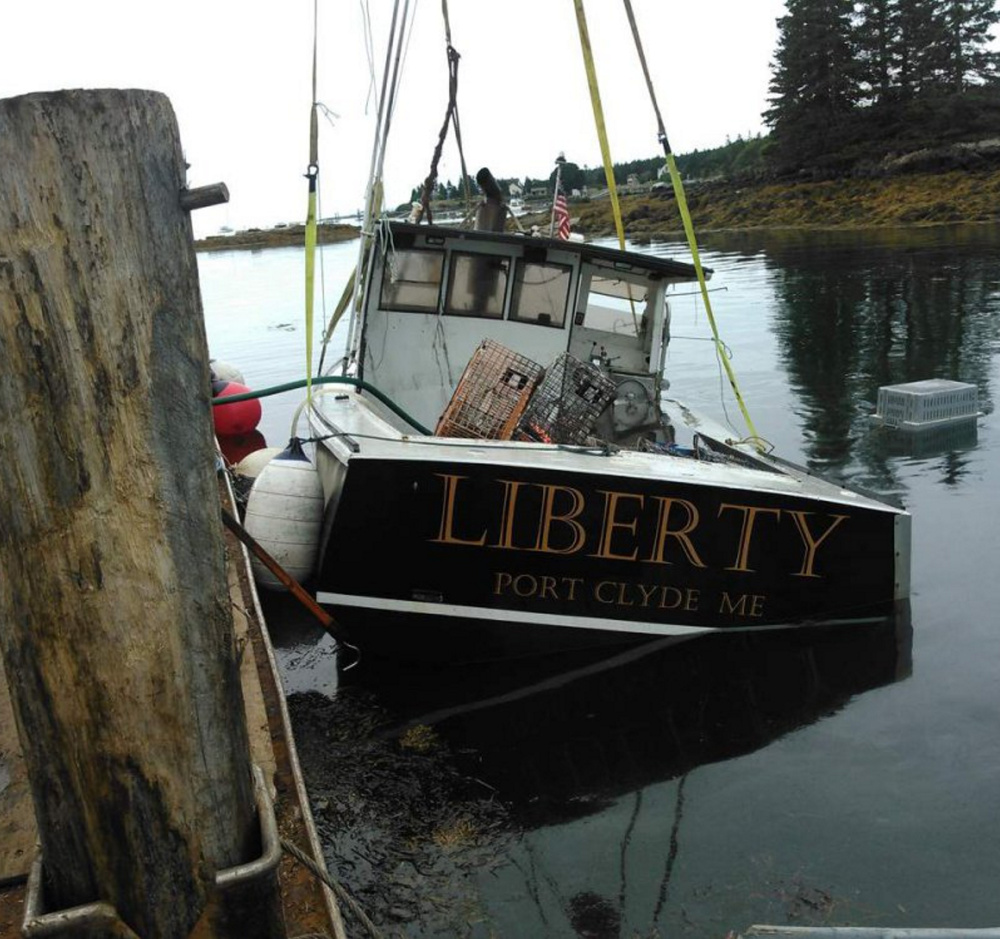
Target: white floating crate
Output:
[(930, 403)]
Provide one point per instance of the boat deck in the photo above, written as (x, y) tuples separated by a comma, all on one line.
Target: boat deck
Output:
[(309, 907), (357, 426)]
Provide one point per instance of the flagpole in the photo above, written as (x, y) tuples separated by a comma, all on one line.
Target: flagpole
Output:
[(555, 194)]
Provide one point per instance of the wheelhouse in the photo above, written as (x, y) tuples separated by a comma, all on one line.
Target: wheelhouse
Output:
[(435, 294)]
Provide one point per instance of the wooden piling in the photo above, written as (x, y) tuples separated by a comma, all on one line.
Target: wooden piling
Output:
[(115, 625)]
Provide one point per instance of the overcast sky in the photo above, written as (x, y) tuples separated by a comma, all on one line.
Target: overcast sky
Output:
[(239, 73)]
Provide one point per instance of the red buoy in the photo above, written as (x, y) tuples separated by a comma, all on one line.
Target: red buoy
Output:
[(240, 417), (236, 448)]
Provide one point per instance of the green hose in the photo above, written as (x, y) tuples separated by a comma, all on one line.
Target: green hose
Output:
[(326, 380)]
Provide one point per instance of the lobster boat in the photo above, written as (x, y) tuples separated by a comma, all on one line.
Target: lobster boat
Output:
[(505, 473)]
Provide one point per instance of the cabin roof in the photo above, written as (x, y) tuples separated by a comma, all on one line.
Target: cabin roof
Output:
[(663, 267)]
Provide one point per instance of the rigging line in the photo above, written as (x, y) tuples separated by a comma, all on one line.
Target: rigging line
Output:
[(371, 188), (678, 186), (602, 132), (401, 47), (454, 110), (342, 304), (377, 191), (322, 265), (366, 25), (449, 118), (331, 117), (312, 174), (728, 351)]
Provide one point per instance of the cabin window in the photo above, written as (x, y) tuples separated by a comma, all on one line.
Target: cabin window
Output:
[(477, 285), (412, 280), (615, 305), (540, 293)]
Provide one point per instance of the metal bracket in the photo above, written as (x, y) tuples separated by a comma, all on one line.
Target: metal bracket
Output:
[(101, 918)]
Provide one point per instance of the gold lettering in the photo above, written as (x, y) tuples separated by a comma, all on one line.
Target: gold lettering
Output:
[(501, 581), (548, 591), (664, 531), (510, 488), (573, 583), (811, 544), (446, 532), (727, 606), (692, 596), (568, 518), (647, 593), (739, 608), (749, 518), (531, 587), (622, 597), (610, 523), (598, 591), (676, 598)]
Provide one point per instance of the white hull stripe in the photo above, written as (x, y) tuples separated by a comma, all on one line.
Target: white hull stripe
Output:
[(544, 619)]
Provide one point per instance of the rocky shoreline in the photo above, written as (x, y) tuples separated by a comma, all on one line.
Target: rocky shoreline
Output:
[(283, 237), (903, 200), (855, 203)]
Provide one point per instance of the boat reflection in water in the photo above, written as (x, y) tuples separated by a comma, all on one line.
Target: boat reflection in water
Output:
[(560, 738)]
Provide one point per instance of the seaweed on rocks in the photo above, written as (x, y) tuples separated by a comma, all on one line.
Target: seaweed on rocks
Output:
[(403, 830)]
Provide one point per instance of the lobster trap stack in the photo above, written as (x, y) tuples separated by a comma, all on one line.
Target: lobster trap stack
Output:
[(566, 403), (491, 395)]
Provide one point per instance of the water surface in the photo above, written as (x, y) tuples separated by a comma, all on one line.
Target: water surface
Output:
[(691, 788)]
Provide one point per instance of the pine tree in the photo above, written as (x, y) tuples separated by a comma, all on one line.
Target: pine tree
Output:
[(915, 48), (963, 58), (814, 83), (875, 32)]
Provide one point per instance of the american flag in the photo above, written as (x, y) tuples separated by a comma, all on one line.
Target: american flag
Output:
[(560, 216)]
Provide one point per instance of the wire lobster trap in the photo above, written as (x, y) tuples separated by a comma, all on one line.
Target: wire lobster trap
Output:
[(491, 395), (566, 404)]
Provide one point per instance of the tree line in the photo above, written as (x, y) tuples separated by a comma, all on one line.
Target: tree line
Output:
[(854, 80)]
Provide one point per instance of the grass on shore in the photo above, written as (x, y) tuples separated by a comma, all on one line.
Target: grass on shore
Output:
[(887, 201), (290, 235), (917, 199)]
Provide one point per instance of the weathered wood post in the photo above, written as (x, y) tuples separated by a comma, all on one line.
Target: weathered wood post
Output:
[(115, 624)]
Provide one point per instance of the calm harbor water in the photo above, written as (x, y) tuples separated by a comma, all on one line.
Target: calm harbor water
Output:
[(692, 788)]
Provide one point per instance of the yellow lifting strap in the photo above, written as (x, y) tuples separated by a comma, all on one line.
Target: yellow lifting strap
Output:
[(311, 175), (675, 179), (602, 133)]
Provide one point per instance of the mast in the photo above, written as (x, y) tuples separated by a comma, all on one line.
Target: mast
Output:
[(373, 194)]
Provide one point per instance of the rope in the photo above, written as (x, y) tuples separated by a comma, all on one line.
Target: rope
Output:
[(327, 380), (336, 887), (602, 134), (450, 117), (312, 173), (373, 195), (678, 186), (342, 305)]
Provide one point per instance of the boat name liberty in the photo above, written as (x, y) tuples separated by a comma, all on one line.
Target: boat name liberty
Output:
[(558, 519)]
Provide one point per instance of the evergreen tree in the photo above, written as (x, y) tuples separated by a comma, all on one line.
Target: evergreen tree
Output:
[(918, 37), (875, 35), (814, 82), (962, 57), (570, 178)]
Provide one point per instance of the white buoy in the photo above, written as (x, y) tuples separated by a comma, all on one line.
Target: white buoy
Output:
[(284, 515), (223, 371), (253, 463)]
